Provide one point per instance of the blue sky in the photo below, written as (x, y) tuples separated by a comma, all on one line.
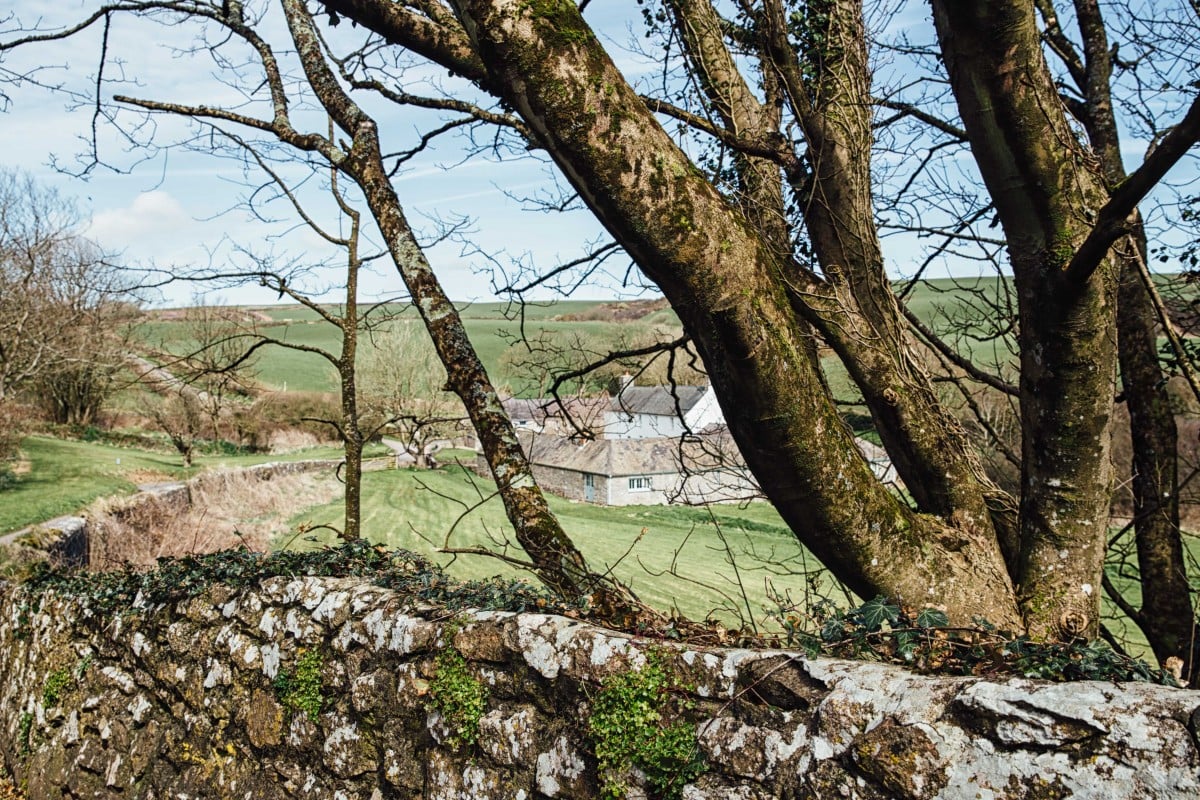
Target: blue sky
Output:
[(177, 209)]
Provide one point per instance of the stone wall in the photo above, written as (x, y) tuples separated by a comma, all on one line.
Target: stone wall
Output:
[(70, 541), (329, 688)]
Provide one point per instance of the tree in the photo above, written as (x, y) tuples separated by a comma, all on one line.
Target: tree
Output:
[(401, 387), (769, 248), (1165, 615), (223, 348), (89, 362), (65, 309), (180, 416), (217, 365)]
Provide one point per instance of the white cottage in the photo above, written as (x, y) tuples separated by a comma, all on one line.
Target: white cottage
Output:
[(648, 471), (645, 412), (651, 445)]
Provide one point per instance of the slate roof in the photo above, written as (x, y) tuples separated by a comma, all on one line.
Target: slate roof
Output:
[(624, 457), (658, 400), (656, 456), (586, 411)]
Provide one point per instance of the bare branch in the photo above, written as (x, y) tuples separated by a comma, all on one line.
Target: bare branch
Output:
[(1117, 217)]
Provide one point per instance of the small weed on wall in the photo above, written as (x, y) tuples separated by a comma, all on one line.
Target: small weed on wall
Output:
[(459, 696), (300, 690), (636, 721)]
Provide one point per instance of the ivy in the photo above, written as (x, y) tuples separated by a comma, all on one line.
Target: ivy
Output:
[(459, 696), (418, 579), (881, 630), (636, 722), (25, 734)]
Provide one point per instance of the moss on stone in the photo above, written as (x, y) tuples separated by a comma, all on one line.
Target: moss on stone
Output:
[(459, 696), (300, 690), (56, 685), (636, 722)]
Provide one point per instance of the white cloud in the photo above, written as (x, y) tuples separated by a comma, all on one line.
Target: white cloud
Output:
[(153, 216)]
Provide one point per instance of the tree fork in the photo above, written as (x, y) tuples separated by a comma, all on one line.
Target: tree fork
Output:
[(732, 294)]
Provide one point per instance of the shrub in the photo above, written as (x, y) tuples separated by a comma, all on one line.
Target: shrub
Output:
[(257, 425), (13, 422)]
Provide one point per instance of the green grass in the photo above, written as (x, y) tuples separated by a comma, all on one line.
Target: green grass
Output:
[(1130, 588), (64, 476), (489, 329), (643, 545)]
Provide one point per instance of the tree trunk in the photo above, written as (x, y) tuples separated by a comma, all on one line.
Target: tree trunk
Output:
[(1166, 616), (352, 524), (347, 365), (555, 559), (352, 441), (1045, 195), (731, 291)]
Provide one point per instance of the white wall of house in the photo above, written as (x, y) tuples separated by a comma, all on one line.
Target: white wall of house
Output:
[(624, 425), (620, 425), (641, 490), (706, 412)]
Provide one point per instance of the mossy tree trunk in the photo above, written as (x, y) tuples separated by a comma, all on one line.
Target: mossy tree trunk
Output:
[(1046, 195), (347, 367), (738, 298), (554, 557), (1165, 616)]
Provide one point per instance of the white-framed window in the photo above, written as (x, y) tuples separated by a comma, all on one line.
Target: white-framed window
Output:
[(640, 484)]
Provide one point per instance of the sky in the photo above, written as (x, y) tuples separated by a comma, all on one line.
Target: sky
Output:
[(176, 208)]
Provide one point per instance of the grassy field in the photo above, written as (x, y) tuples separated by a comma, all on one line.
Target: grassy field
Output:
[(490, 326), (61, 477), (672, 556), (494, 327)]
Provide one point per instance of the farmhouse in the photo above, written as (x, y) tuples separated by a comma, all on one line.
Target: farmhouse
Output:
[(647, 445), (646, 471), (641, 412)]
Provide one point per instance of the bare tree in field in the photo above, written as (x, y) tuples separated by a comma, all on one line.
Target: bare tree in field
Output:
[(216, 365), (767, 243), (401, 388), (224, 348), (178, 414), (65, 309)]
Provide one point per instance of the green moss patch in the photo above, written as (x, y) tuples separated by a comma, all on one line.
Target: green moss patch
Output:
[(636, 721), (459, 696), (300, 690)]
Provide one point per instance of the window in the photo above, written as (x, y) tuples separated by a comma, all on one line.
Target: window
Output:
[(640, 485)]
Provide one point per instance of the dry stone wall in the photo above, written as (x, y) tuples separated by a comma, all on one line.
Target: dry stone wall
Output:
[(332, 688), (72, 541)]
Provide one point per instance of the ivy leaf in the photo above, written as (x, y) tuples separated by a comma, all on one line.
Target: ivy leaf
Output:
[(874, 613), (932, 618), (833, 630)]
